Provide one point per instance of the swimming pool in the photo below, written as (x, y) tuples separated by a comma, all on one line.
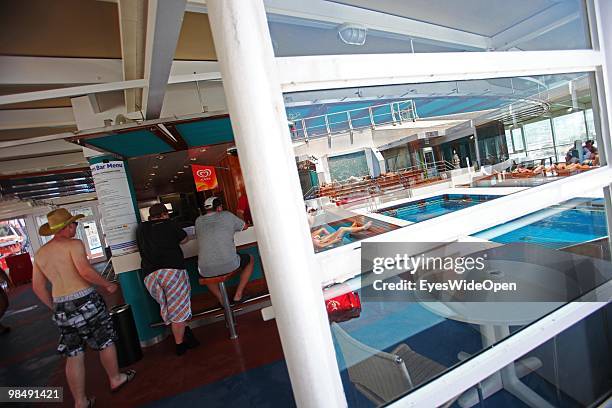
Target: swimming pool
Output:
[(377, 227), (427, 208), (571, 222)]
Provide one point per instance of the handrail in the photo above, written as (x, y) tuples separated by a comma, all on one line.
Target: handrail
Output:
[(327, 124), (312, 190)]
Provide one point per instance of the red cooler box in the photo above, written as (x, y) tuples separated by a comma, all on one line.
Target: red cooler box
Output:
[(20, 268)]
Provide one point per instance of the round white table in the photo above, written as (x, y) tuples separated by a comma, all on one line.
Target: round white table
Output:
[(494, 313)]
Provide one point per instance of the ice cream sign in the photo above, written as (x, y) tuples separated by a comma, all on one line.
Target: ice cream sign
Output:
[(204, 176)]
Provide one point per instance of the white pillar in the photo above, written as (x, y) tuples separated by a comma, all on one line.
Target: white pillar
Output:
[(254, 99)]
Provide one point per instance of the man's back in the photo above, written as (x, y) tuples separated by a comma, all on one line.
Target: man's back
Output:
[(55, 261), (217, 250), (159, 245)]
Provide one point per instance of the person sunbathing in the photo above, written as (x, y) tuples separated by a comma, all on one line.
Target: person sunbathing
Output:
[(563, 168), (522, 171), (322, 238)]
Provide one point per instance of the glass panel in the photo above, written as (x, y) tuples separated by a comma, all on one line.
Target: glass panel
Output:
[(509, 141), (432, 142), (517, 138), (421, 26), (349, 165), (538, 135), (14, 239), (86, 211), (555, 377), (588, 114), (399, 339), (569, 128)]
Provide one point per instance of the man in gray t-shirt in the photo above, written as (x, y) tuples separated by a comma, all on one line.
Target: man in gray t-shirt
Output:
[(216, 247)]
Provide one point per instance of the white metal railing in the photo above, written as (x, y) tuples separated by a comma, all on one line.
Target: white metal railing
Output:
[(354, 119)]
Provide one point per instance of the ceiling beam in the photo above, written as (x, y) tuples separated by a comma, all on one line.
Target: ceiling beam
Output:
[(72, 91), (34, 118), (70, 71), (164, 20), (545, 21), (42, 70), (54, 147), (45, 163), (46, 173), (132, 27)]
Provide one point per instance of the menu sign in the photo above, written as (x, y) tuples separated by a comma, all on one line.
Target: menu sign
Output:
[(115, 203), (205, 177)]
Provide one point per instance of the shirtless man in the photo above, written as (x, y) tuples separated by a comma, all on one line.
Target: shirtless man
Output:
[(78, 310)]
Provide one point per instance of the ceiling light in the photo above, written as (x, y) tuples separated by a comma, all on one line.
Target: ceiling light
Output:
[(186, 166), (172, 181), (160, 157), (155, 166), (193, 158), (203, 149), (180, 172), (150, 180), (151, 174), (175, 176), (352, 34)]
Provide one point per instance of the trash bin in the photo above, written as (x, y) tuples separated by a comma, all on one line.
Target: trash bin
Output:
[(128, 345)]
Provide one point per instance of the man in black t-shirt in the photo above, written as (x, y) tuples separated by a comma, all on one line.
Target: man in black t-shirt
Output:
[(166, 278)]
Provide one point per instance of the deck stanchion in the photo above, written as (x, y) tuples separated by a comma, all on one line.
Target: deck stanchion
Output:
[(254, 99)]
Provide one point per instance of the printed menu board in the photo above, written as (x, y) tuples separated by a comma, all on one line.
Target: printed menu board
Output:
[(115, 202)]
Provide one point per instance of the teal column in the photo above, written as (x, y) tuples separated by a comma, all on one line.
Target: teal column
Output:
[(144, 307)]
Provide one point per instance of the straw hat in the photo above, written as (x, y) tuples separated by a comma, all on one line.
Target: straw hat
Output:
[(58, 219)]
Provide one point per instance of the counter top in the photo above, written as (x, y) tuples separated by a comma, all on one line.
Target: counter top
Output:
[(130, 262)]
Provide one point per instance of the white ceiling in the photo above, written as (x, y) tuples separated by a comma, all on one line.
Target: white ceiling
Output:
[(482, 17)]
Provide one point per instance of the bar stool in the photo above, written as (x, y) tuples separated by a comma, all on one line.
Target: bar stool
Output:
[(227, 309)]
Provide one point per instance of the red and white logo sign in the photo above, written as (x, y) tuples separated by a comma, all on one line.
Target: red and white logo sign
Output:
[(205, 177)]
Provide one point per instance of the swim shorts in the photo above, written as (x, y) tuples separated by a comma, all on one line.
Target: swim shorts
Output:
[(83, 320)]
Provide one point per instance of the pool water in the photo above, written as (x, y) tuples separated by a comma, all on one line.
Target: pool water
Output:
[(571, 222), (378, 227), (425, 209)]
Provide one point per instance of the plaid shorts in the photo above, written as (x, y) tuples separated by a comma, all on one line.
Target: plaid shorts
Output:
[(83, 319), (171, 289)]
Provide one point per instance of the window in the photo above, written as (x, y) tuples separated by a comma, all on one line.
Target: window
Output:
[(509, 141), (590, 124), (517, 138), (569, 128), (538, 139), (366, 27)]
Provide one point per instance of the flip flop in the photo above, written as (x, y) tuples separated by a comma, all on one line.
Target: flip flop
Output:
[(129, 376)]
